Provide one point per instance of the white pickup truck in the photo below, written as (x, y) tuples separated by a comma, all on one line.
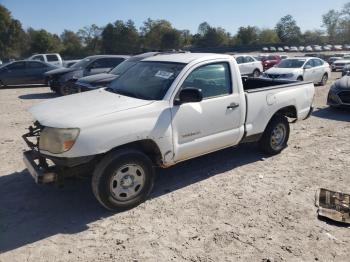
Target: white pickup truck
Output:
[(166, 109)]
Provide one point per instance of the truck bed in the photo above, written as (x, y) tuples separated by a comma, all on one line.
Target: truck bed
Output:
[(250, 84), (264, 97)]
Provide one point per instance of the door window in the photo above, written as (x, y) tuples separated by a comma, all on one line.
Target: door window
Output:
[(249, 59), (52, 58), (107, 62), (35, 65), (16, 66), (38, 57), (240, 59), (310, 63), (318, 62), (213, 79)]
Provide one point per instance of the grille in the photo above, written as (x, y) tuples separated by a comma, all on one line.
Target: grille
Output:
[(345, 97)]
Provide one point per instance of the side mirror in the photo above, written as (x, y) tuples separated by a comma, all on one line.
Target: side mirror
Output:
[(189, 95), (307, 67)]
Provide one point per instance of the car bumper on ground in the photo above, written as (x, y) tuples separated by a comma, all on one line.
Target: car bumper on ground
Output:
[(40, 174)]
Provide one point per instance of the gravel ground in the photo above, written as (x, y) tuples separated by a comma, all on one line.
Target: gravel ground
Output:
[(233, 205)]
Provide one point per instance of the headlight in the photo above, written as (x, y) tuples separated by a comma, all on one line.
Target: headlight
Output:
[(57, 140)]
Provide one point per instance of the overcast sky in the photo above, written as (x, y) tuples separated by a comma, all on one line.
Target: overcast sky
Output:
[(57, 15)]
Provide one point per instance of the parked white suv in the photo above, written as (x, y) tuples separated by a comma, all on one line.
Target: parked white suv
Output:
[(302, 69), (248, 65), (164, 110), (53, 59)]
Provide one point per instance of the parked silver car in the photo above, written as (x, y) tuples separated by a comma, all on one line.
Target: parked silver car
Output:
[(301, 69)]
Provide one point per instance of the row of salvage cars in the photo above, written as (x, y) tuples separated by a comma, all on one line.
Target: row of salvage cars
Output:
[(83, 76), (309, 48)]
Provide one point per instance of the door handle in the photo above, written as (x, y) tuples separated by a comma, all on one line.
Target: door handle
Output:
[(232, 106)]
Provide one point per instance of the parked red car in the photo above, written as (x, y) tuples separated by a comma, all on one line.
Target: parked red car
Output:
[(270, 61)]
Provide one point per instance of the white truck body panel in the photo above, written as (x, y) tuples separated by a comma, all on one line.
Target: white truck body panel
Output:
[(262, 105), (107, 120)]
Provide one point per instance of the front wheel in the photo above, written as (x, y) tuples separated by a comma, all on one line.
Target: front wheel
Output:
[(256, 73), (324, 80), (123, 180), (275, 136)]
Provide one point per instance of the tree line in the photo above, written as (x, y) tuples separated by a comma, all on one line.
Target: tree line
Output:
[(122, 37)]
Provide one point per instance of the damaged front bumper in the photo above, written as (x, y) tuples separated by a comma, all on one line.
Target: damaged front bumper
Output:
[(41, 172), (48, 169)]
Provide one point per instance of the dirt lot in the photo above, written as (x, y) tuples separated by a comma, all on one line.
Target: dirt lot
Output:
[(232, 205)]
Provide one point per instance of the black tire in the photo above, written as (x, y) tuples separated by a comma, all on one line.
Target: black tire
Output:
[(266, 143), (63, 90), (256, 73), (300, 78), (103, 179), (324, 80)]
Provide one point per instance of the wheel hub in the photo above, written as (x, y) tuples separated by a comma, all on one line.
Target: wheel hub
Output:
[(278, 136), (127, 182)]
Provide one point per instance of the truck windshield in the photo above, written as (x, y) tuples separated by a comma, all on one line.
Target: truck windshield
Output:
[(291, 63), (147, 80)]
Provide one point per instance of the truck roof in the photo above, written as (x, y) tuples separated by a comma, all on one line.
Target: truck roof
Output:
[(185, 57)]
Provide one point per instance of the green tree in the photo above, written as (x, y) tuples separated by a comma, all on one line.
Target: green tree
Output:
[(315, 37), (288, 31), (159, 34), (41, 41), (72, 45), (12, 36), (91, 39), (120, 38), (247, 35), (211, 36), (331, 23), (268, 36)]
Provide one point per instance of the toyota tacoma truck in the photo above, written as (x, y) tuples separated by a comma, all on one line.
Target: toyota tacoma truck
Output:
[(166, 109)]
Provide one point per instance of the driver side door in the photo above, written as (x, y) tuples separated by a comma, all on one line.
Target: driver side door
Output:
[(213, 123), (309, 73)]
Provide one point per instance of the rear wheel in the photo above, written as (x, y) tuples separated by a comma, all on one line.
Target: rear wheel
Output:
[(123, 180), (324, 80), (256, 73), (275, 136)]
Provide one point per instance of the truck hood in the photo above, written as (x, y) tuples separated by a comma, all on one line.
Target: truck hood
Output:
[(59, 71), (280, 71), (74, 110)]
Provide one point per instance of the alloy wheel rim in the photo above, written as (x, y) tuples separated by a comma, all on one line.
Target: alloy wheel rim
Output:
[(127, 182)]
